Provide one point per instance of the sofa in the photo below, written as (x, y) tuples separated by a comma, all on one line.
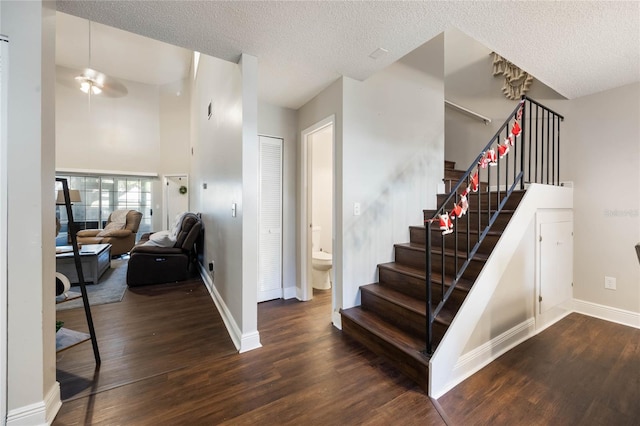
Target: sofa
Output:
[(165, 256), (119, 231)]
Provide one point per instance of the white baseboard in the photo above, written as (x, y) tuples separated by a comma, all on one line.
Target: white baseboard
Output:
[(249, 342), (620, 316), (337, 320), (52, 402), (289, 293), (473, 361), (29, 415), (227, 318)]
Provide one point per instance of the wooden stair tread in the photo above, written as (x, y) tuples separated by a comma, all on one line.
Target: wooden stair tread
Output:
[(407, 343), (472, 209), (471, 231), (407, 302), (419, 273), (438, 250)]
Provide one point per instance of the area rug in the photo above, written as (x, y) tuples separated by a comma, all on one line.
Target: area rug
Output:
[(110, 288)]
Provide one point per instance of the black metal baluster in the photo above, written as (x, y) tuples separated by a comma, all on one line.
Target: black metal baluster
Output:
[(548, 140), (560, 119), (537, 139), (427, 227), (553, 151)]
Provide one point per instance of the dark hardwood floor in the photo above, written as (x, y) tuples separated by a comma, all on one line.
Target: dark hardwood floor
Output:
[(167, 359), (580, 371)]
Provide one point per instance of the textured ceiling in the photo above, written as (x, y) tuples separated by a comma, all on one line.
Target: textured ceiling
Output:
[(576, 48)]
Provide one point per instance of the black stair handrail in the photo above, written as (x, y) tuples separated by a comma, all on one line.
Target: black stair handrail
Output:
[(531, 136)]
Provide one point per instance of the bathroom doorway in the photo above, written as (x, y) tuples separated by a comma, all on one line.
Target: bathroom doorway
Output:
[(317, 237)]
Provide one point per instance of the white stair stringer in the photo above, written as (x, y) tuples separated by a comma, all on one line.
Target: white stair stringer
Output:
[(450, 349)]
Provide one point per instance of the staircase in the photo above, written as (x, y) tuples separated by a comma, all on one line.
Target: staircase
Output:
[(393, 319)]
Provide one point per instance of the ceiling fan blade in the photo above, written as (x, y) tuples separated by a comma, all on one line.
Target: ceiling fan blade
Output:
[(113, 88), (110, 86)]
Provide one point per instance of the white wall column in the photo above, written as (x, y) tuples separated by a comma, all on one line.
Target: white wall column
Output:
[(33, 393), (250, 167)]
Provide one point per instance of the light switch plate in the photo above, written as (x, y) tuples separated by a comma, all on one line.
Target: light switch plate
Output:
[(610, 283)]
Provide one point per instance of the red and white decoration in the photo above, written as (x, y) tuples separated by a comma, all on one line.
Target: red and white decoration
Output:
[(488, 158)]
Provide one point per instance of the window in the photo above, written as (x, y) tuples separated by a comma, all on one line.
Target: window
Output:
[(101, 195)]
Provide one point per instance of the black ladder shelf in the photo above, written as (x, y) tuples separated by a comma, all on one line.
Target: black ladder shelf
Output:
[(66, 338)]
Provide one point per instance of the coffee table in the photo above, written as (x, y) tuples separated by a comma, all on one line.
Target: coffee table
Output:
[(95, 259)]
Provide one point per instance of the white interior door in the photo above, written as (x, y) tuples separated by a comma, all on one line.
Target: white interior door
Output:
[(174, 201), (270, 217), (556, 264)]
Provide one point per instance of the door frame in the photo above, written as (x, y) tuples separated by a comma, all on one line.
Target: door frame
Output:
[(4, 227), (306, 290), (165, 204)]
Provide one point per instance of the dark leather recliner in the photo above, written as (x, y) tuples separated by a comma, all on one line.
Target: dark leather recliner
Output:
[(157, 265)]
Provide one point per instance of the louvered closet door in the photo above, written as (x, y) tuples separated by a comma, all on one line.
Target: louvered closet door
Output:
[(270, 255)]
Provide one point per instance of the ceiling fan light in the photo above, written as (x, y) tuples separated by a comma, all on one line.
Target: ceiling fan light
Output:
[(85, 86), (88, 84)]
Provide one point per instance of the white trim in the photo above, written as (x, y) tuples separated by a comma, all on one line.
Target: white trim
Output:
[(306, 292), (227, 318), (337, 319), (242, 342), (29, 415), (4, 47), (443, 361), (249, 342), (165, 195), (39, 413), (478, 358), (106, 172), (289, 293), (607, 313), (52, 402)]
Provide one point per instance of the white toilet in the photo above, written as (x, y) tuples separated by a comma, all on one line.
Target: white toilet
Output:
[(321, 263)]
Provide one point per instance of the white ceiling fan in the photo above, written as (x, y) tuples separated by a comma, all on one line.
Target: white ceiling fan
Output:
[(94, 82)]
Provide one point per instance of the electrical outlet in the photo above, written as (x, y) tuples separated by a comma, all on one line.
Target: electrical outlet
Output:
[(211, 264), (356, 209), (610, 283)]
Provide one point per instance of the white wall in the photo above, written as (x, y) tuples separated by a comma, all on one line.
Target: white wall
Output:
[(217, 162), (33, 394), (322, 187), (146, 131), (604, 146), (108, 133), (175, 139), (469, 82), (249, 208), (499, 311), (328, 102), (283, 123), (393, 153), (513, 299)]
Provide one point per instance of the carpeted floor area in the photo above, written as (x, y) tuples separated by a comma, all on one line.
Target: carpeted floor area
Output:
[(109, 289)]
